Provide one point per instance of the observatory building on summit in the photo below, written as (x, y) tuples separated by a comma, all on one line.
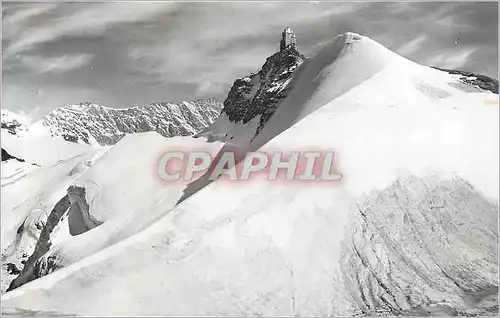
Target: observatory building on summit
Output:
[(287, 39)]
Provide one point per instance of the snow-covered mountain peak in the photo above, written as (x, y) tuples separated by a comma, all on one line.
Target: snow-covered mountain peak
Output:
[(346, 61), (418, 155), (253, 99), (349, 37), (360, 53), (257, 94)]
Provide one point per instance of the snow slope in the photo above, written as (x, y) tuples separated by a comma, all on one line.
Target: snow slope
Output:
[(31, 188), (35, 191), (410, 230), (49, 163), (347, 62), (340, 66), (37, 146), (118, 196)]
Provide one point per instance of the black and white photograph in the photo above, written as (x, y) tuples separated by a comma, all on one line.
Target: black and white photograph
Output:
[(249, 159)]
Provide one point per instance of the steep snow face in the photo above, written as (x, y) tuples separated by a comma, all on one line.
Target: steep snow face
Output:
[(253, 99), (411, 229), (108, 183), (94, 124)]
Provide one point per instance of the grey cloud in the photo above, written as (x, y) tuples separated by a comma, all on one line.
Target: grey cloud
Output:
[(145, 52), (93, 18), (451, 59), (58, 64), (413, 45)]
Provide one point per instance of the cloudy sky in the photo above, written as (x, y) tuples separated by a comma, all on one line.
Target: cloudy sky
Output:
[(123, 54)]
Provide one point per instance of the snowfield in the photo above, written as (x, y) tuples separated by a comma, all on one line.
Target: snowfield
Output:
[(111, 203), (124, 196), (412, 228)]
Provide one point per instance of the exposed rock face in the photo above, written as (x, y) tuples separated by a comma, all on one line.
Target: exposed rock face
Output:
[(41, 263), (481, 81), (11, 127), (259, 94), (80, 221), (15, 256), (37, 266), (255, 95), (91, 123)]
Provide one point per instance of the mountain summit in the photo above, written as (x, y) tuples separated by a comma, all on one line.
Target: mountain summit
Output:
[(255, 97)]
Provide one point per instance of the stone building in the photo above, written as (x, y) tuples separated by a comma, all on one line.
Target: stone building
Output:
[(287, 39)]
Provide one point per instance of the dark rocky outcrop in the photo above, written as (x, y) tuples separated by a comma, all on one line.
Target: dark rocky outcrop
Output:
[(80, 221), (256, 95), (33, 268), (469, 78), (79, 218), (12, 269), (7, 156), (259, 94), (11, 126)]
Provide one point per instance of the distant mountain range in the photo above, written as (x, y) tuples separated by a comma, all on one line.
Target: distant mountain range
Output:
[(90, 123)]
